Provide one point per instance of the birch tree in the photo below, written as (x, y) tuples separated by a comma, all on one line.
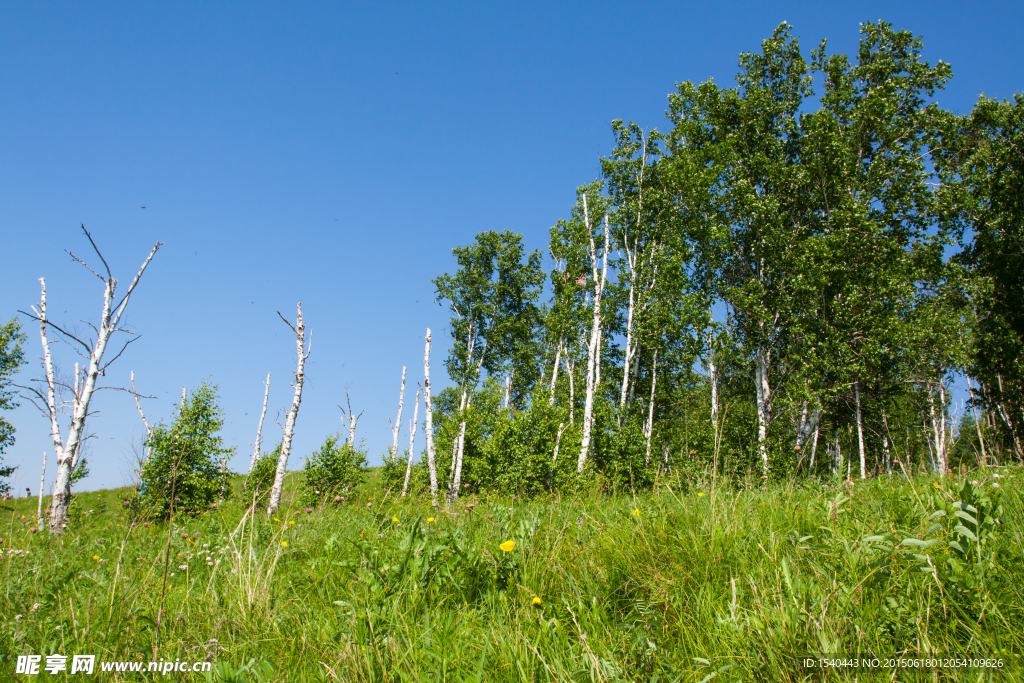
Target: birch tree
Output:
[(257, 445), (302, 351), (69, 448), (412, 443), (398, 418), (492, 297), (429, 426)]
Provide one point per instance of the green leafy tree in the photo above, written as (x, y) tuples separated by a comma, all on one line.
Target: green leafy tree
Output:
[(184, 465), (493, 296), (261, 479), (11, 359), (336, 467)]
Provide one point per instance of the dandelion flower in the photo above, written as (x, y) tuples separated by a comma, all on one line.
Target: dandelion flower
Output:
[(291, 521), (535, 602), (508, 546), (95, 557), (636, 513), (429, 520), (700, 495), (276, 519), (284, 544), (936, 485), (395, 520)]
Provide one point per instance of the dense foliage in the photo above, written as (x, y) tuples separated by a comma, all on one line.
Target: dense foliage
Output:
[(797, 272), (336, 467), (11, 359), (184, 470)]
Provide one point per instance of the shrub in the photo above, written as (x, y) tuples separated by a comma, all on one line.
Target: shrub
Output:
[(184, 459), (261, 479), (334, 468)]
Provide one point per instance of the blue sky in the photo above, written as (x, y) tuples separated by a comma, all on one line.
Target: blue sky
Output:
[(334, 154)]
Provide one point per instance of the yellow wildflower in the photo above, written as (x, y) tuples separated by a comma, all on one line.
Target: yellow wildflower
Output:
[(291, 521), (508, 546), (936, 485), (395, 520), (276, 519), (636, 513), (536, 601), (284, 544), (429, 520), (699, 495), (95, 557)]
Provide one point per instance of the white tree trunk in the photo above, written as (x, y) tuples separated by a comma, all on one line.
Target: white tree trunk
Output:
[(939, 440), (431, 464), (860, 431), (412, 443), (977, 424), (145, 424), (763, 389), (650, 408), (593, 348), (572, 391), (352, 418), (814, 448), (68, 451), (289, 426), (554, 373), (629, 352), (259, 428), (42, 483), (398, 420), (508, 389)]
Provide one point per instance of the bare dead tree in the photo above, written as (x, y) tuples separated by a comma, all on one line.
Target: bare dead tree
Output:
[(259, 429), (412, 442), (69, 449), (145, 424), (42, 482), (299, 328), (352, 419), (398, 420), (431, 463)]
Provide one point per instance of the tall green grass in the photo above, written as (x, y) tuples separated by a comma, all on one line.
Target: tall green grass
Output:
[(689, 583)]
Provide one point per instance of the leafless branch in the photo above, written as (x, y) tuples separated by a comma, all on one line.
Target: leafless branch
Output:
[(66, 334)]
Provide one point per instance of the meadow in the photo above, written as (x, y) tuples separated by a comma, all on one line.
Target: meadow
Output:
[(732, 581)]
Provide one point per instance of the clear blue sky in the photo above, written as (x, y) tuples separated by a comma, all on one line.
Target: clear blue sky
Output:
[(334, 154)]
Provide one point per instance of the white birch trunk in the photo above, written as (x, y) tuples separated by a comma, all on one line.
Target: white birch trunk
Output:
[(630, 351), (398, 420), (554, 373), (42, 483), (431, 464), (412, 443), (595, 338), (814, 447), (860, 431), (650, 408), (259, 428), (508, 389), (289, 426), (937, 439), (886, 454), (145, 424), (977, 424), (69, 450), (763, 389), (572, 391)]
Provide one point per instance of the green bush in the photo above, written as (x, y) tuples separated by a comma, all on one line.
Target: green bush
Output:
[(334, 468), (183, 468), (261, 479)]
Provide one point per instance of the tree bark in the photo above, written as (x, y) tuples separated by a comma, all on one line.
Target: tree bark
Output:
[(412, 442), (398, 420), (593, 349), (554, 373), (977, 424), (429, 428), (763, 389), (650, 408), (259, 428), (149, 432), (289, 426), (860, 431), (42, 483)]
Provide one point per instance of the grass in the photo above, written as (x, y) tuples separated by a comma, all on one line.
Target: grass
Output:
[(688, 583)]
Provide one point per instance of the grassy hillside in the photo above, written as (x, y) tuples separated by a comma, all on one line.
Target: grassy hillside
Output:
[(678, 585)]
